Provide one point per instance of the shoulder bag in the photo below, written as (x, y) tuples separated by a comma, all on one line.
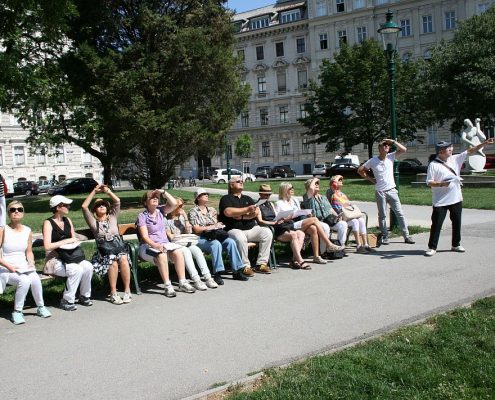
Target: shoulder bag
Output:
[(110, 244), (72, 256), (215, 234), (186, 239), (351, 211)]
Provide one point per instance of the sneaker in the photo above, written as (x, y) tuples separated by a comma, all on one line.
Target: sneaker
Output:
[(409, 240), (369, 249), (319, 260), (186, 287), (239, 276), (127, 298), (199, 285), (65, 305), (115, 299), (210, 282), (385, 240), (85, 301), (458, 249), (218, 278), (169, 291), (263, 269), (43, 312), (18, 318), (248, 271), (430, 252), (362, 250)]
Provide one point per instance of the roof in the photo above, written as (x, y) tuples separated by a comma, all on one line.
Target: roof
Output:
[(267, 10)]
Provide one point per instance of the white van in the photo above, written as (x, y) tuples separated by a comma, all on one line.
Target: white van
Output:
[(354, 158)]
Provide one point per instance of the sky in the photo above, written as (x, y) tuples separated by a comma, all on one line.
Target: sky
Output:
[(246, 5)]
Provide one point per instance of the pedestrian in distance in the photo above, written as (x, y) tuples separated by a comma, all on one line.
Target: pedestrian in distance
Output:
[(444, 178)]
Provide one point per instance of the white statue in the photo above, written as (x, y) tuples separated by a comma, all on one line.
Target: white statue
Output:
[(472, 136)]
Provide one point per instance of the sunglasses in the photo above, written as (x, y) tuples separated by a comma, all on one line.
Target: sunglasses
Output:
[(64, 205), (317, 183), (291, 188), (239, 181), (18, 209)]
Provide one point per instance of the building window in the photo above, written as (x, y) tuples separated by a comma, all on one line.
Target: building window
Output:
[(361, 34), (450, 20), (306, 146), (427, 23), (455, 138), (342, 35), (40, 157), (240, 55), (59, 155), (86, 158), (302, 110), (358, 4), (259, 23), (245, 119), (281, 81), (279, 49), (284, 114), (323, 41), (1, 156), (427, 54), (260, 53), (405, 24), (265, 149), (482, 7), (290, 16), (285, 147), (302, 79), (321, 8), (406, 57), (340, 6), (264, 116), (301, 45), (432, 135), (261, 84), (19, 155), (380, 2)]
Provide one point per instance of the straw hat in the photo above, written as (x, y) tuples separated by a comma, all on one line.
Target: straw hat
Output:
[(265, 189)]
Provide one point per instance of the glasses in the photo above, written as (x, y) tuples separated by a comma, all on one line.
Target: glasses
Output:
[(290, 188), (341, 180), (64, 205), (181, 205), (239, 181), (101, 205), (317, 183), (18, 209)]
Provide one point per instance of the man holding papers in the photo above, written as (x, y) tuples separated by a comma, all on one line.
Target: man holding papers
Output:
[(444, 179)]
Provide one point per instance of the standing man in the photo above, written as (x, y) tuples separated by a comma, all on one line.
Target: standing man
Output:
[(382, 166), (444, 179), (238, 212)]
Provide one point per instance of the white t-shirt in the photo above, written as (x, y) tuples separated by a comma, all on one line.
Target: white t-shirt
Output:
[(292, 205), (437, 172), (383, 170)]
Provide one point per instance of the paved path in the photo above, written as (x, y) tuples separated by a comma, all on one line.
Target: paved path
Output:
[(159, 348)]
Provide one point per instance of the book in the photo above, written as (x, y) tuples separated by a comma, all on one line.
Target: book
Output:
[(290, 213)]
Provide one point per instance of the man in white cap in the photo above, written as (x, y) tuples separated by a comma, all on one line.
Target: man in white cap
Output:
[(444, 179)]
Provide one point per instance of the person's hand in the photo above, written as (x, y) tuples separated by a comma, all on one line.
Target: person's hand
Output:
[(490, 141)]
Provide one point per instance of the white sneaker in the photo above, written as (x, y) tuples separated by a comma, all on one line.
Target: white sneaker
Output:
[(430, 252), (127, 297), (115, 299), (169, 291), (210, 282), (186, 287), (458, 249), (199, 285)]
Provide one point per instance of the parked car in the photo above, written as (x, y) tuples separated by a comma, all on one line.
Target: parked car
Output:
[(27, 188), (320, 169), (344, 167), (263, 172), (282, 171), (411, 167), (45, 185), (73, 186), (207, 173), (220, 175)]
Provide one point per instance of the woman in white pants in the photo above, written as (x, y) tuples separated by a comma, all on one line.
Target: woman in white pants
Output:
[(17, 264), (58, 233)]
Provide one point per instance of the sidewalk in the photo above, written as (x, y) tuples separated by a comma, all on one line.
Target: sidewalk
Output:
[(160, 348)]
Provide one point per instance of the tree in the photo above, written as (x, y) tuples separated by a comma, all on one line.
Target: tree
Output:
[(244, 145), (151, 80), (350, 104), (461, 73)]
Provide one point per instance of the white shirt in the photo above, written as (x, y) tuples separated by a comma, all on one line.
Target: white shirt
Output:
[(437, 172), (383, 170)]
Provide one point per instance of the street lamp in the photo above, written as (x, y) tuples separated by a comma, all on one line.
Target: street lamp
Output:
[(227, 158), (389, 32)]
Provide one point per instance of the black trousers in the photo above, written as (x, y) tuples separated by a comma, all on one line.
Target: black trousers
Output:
[(437, 218)]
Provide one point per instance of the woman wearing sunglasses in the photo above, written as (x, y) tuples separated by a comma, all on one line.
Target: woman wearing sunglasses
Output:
[(59, 238), (112, 252), (17, 264)]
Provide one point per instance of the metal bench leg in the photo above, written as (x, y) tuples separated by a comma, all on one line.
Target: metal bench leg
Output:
[(134, 259), (273, 258)]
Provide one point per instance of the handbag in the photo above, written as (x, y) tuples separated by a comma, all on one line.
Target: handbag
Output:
[(111, 246), (186, 239), (351, 211), (215, 234), (330, 219), (72, 256)]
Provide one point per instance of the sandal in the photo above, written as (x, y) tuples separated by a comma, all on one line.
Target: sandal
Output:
[(319, 260), (305, 265)]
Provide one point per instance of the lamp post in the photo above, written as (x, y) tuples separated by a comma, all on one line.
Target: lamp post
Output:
[(227, 158), (389, 32)]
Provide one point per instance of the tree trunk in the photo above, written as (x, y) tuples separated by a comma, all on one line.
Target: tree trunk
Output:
[(107, 171)]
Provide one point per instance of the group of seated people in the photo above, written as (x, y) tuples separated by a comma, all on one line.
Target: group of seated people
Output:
[(167, 233)]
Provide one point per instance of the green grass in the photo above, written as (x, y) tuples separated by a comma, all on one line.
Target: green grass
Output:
[(450, 356)]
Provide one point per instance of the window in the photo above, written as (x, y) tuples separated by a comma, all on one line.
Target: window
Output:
[(240, 55), (265, 149), (289, 16), (302, 110), (321, 8), (302, 79), (1, 156), (450, 20), (405, 24), (284, 114), (285, 147), (342, 35), (482, 7), (306, 146), (379, 2), (261, 84), (323, 41), (245, 119), (361, 34), (279, 49), (455, 138), (259, 23), (59, 155), (264, 116), (281, 81), (489, 131), (40, 157), (260, 54), (406, 57), (340, 6), (19, 155), (301, 45), (427, 54), (432, 135), (358, 4), (86, 158), (427, 23)]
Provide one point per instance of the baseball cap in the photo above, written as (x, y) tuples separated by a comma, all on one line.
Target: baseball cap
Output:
[(442, 145), (59, 199)]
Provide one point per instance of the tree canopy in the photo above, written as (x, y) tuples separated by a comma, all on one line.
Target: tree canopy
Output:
[(461, 73), (350, 103)]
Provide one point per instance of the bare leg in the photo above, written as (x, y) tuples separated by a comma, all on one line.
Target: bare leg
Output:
[(292, 237), (178, 260), (320, 231), (357, 238), (125, 273), (161, 261), (315, 242), (113, 272)]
